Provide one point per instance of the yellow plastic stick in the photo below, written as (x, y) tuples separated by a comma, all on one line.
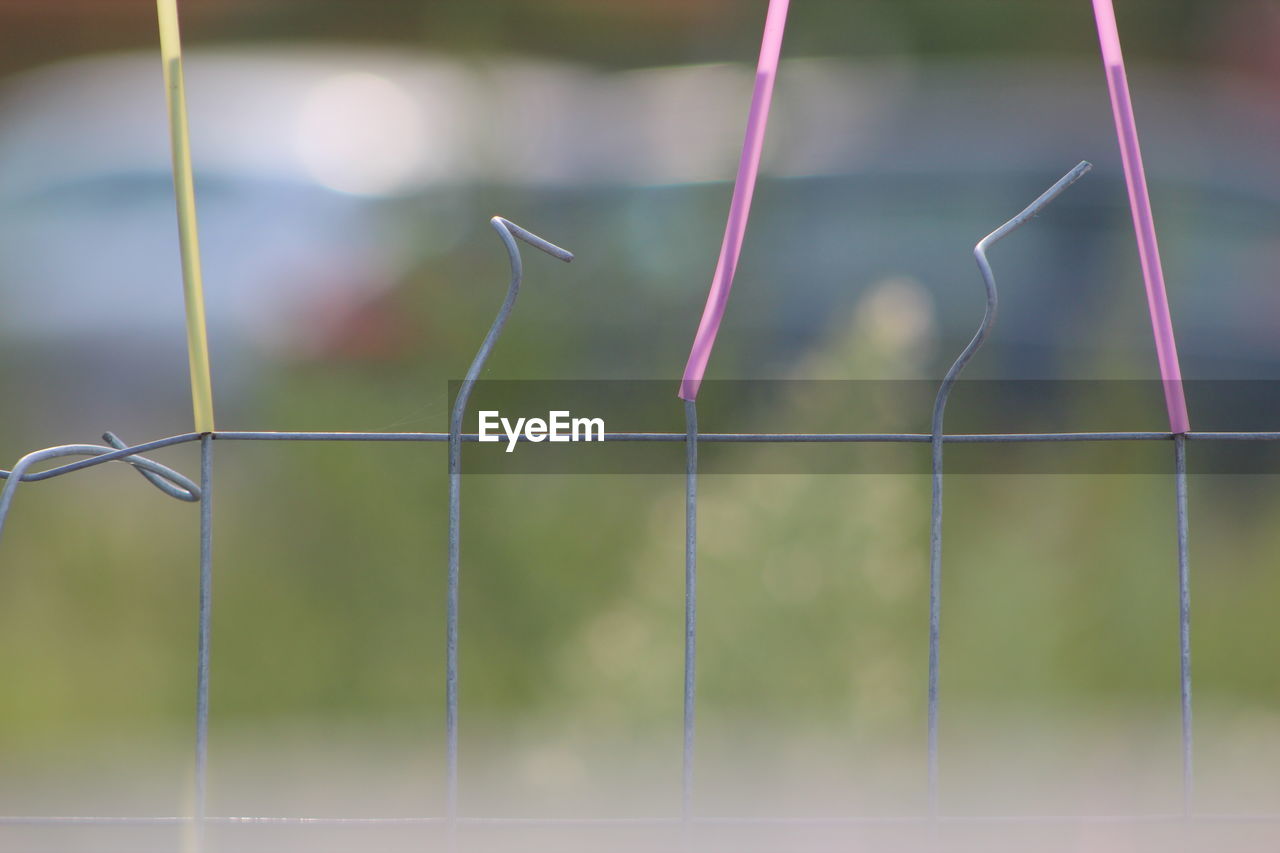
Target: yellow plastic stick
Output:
[(188, 238)]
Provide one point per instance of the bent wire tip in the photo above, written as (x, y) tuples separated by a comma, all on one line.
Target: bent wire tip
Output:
[(993, 297), (532, 239), (509, 232), (1032, 210)]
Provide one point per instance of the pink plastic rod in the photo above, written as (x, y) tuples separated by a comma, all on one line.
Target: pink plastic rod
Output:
[(740, 207), (1143, 223)]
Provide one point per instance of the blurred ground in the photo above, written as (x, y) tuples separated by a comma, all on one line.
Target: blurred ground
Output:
[(1100, 782)]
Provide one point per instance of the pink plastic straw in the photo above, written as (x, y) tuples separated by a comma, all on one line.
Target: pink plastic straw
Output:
[(740, 208), (1143, 223)]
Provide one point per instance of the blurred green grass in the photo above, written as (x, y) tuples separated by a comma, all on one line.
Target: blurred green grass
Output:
[(1060, 591)]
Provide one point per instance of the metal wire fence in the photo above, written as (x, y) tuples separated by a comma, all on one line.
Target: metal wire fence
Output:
[(180, 487)]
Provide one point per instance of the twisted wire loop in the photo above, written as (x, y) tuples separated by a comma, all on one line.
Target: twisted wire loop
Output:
[(164, 478), (937, 439), (508, 232)]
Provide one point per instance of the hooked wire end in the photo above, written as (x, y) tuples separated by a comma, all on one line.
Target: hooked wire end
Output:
[(532, 239)]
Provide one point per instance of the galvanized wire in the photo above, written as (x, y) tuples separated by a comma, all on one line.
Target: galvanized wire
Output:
[(166, 479), (1184, 619), (706, 821), (936, 442), (508, 232), (690, 606), (205, 629)]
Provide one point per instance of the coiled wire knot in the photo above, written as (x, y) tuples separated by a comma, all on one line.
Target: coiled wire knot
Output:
[(164, 478)]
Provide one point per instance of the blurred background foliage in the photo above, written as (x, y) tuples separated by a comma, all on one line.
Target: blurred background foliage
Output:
[(617, 33), (1060, 590)]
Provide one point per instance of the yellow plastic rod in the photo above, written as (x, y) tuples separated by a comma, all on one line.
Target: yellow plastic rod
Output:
[(188, 238)]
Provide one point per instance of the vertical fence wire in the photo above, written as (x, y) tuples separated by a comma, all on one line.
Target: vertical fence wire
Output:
[(451, 628), (988, 322), (455, 518), (690, 605), (1184, 620), (508, 232), (935, 617), (205, 635)]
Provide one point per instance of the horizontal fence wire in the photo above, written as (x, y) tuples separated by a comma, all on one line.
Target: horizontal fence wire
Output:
[(854, 821)]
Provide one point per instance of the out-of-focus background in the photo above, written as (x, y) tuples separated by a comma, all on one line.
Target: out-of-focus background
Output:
[(348, 157)]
